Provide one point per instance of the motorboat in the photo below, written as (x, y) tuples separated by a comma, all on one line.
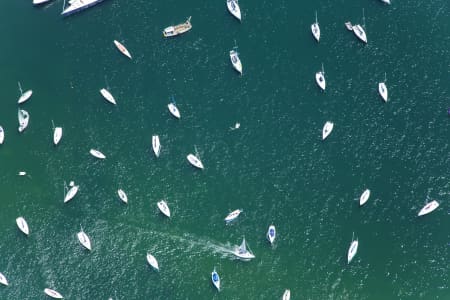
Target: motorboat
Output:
[(315, 29), (349, 26), (71, 193), (78, 5), (84, 239), (382, 90), (22, 173), (364, 197), (122, 196), (237, 65), (52, 293), (320, 79), (358, 30), (2, 135), (233, 215), (287, 295), (57, 135), (174, 110), (242, 252), (107, 95), (156, 145), (234, 9), (23, 226), (215, 279), (152, 261), (327, 128), (271, 234), (122, 49), (24, 96), (24, 118), (175, 30), (352, 250), (162, 205), (3, 279), (428, 208), (195, 161), (97, 154)]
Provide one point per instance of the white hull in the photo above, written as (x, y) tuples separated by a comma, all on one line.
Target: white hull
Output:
[(352, 251), (156, 145), (234, 57), (3, 279), (233, 215), (215, 279), (122, 196), (271, 234), (364, 197), (122, 49), (195, 161), (382, 89), (234, 9), (320, 80), (327, 128), (38, 2), (25, 96), (360, 33), (242, 252), (428, 208), (349, 26), (162, 205), (57, 135), (24, 118), (386, 1), (84, 240), (71, 193), (174, 110), (23, 226), (78, 5), (315, 29), (107, 95), (2, 135), (287, 295), (152, 261), (97, 154), (52, 293)]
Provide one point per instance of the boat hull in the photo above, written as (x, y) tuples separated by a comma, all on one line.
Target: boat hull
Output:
[(67, 12)]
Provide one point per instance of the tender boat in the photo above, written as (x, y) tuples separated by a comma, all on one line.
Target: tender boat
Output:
[(315, 29), (152, 261), (271, 234), (3, 279), (78, 5), (107, 95), (287, 295), (122, 49), (237, 65), (349, 26), (84, 239), (57, 135), (364, 197), (327, 128), (428, 208), (23, 226), (52, 293), (71, 193), (195, 161), (233, 215), (97, 154), (156, 145), (162, 205), (2, 135), (320, 79), (352, 250), (234, 9), (382, 89), (242, 252), (174, 110), (215, 279), (122, 195), (175, 30), (359, 32), (24, 118)]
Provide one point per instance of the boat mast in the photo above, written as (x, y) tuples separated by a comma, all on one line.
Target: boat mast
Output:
[(364, 20), (384, 77), (323, 71), (53, 125), (316, 16), (20, 87), (64, 4)]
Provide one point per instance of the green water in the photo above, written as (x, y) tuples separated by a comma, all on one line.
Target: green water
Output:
[(275, 166)]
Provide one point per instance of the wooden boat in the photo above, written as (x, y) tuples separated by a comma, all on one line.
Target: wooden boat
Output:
[(97, 154), (107, 95), (84, 239), (2, 135), (175, 30), (428, 208), (23, 226), (152, 261), (156, 145), (364, 197), (122, 49), (195, 161), (3, 279), (320, 79), (234, 9), (233, 215), (162, 205), (52, 293), (122, 196), (327, 128), (315, 29)]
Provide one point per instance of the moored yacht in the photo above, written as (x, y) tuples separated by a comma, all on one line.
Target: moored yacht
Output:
[(2, 135), (352, 250), (234, 57), (78, 5), (428, 208), (162, 205), (152, 261), (358, 30), (320, 79), (24, 118), (84, 239), (156, 145), (122, 196), (271, 234), (364, 197), (97, 154), (315, 29), (175, 30), (195, 161), (327, 128), (23, 225), (287, 295), (215, 279), (107, 95), (3, 279), (234, 9)]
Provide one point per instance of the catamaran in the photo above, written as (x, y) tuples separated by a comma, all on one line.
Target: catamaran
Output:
[(97, 154), (107, 95), (215, 279), (78, 5), (327, 128), (352, 250), (271, 234), (178, 29), (71, 193), (233, 215), (2, 135), (364, 197), (234, 9), (195, 161), (234, 57), (156, 145), (162, 205), (152, 261), (52, 293), (122, 196), (84, 239), (320, 79), (122, 49), (24, 118), (428, 208), (3, 279), (23, 226), (242, 252), (315, 29)]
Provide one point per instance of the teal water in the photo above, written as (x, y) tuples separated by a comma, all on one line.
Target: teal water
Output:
[(275, 166)]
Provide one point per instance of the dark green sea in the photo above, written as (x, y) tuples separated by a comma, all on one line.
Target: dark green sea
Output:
[(275, 167)]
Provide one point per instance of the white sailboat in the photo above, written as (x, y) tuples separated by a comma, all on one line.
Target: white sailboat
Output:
[(39, 2), (195, 161), (271, 234), (364, 197), (24, 118), (107, 95), (242, 252), (233, 215), (23, 226), (3, 279), (24, 96), (315, 29), (71, 193), (57, 134), (97, 154), (52, 293), (386, 1), (320, 79), (2, 135), (84, 239), (382, 89), (352, 250), (234, 57), (162, 205), (122, 49), (78, 5), (156, 145), (234, 9), (215, 279), (327, 128), (429, 207), (359, 31), (174, 110), (122, 196), (287, 295), (152, 261)]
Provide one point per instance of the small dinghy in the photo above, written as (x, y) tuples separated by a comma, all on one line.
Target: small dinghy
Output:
[(2, 135), (152, 261), (315, 29), (349, 26), (3, 279), (162, 205), (195, 161), (428, 208), (52, 293), (233, 215), (71, 193), (234, 57), (22, 173), (320, 79), (174, 110), (234, 9), (107, 95), (364, 197), (122, 196), (242, 252), (156, 145), (215, 279), (271, 234), (24, 96), (84, 239), (23, 226), (122, 49), (352, 250), (287, 295), (327, 128), (24, 118), (57, 135), (97, 154)]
